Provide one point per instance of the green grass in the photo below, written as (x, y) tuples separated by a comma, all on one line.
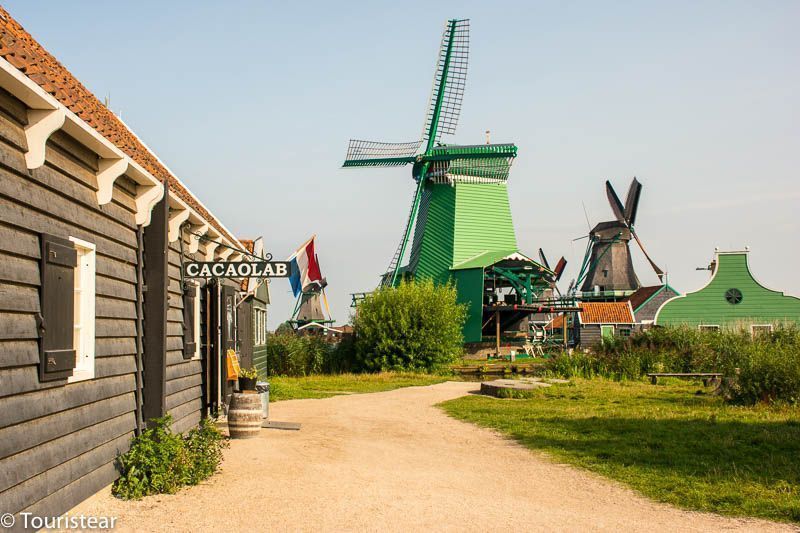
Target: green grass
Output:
[(327, 385), (665, 441)]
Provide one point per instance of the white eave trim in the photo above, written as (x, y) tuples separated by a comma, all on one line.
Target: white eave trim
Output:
[(47, 115)]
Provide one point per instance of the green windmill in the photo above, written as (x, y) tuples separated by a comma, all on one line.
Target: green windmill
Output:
[(460, 216)]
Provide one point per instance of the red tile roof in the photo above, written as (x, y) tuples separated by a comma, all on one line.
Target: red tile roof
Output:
[(642, 295), (20, 49), (606, 313)]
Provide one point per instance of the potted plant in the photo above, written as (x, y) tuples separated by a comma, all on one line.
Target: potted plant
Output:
[(247, 379)]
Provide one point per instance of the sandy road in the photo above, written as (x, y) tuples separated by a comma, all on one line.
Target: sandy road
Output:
[(393, 461)]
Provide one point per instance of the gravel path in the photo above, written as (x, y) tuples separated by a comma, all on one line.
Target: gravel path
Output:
[(393, 461)]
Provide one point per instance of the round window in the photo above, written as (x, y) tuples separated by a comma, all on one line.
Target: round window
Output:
[(733, 296)]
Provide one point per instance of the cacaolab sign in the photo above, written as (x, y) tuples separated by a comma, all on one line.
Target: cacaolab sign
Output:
[(238, 269)]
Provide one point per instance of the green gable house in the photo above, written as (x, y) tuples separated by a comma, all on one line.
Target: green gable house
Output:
[(732, 298)]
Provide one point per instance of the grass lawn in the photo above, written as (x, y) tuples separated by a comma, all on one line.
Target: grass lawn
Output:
[(325, 386), (662, 440)]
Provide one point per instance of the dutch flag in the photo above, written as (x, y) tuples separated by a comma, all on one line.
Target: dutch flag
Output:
[(305, 268)]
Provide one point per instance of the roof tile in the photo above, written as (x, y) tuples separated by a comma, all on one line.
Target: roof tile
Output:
[(606, 313)]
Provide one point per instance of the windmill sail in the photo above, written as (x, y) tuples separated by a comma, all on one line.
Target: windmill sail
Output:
[(451, 68), (616, 205), (632, 201), (379, 154)]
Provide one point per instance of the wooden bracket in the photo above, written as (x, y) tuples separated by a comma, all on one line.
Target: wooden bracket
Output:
[(42, 123), (223, 254), (211, 247), (194, 240), (109, 171), (146, 199), (177, 217)]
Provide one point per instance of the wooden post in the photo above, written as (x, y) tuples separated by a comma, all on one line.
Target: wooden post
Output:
[(156, 278), (497, 330)]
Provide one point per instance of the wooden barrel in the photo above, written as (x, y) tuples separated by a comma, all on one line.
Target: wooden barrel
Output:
[(245, 416)]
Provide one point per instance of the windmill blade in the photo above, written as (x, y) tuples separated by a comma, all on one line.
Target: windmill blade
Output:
[(543, 259), (632, 201), (658, 271), (560, 266), (449, 80), (362, 153), (616, 205)]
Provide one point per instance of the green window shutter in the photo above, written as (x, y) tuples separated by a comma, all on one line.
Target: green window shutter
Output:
[(607, 332), (56, 321), (189, 344)]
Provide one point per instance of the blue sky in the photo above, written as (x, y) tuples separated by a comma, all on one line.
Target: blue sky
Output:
[(252, 105)]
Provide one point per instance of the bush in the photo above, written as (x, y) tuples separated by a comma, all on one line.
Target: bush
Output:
[(289, 354), (771, 373), (765, 368), (160, 461), (415, 326)]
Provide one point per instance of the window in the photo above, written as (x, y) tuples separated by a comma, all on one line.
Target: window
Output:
[(733, 296), (708, 327), (624, 332), (760, 329), (191, 320), (606, 332), (84, 302), (260, 325)]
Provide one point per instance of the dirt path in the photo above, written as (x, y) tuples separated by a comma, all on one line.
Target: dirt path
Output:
[(392, 461)]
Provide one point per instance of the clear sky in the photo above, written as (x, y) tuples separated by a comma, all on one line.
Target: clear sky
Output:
[(252, 105)]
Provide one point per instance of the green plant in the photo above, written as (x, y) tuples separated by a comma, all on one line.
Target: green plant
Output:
[(414, 326), (204, 444), (160, 461), (765, 368), (289, 354), (249, 373)]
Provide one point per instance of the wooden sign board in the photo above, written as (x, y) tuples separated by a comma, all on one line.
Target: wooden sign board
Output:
[(238, 269)]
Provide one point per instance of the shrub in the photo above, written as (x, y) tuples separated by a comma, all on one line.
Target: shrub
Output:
[(765, 368), (771, 373), (160, 461), (415, 326), (289, 354)]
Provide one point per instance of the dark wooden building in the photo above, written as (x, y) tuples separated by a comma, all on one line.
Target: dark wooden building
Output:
[(99, 329)]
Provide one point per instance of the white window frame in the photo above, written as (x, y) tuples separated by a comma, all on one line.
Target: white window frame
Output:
[(84, 300), (260, 325), (753, 330), (196, 317), (708, 327)]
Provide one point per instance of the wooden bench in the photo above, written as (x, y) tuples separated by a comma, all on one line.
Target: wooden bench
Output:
[(708, 377)]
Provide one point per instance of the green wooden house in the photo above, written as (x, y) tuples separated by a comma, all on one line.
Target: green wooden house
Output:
[(732, 298)]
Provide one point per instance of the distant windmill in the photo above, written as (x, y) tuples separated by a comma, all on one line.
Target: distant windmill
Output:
[(559, 270), (456, 185), (607, 265)]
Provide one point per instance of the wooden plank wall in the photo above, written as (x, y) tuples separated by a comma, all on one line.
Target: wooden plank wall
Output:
[(184, 376), (58, 441)]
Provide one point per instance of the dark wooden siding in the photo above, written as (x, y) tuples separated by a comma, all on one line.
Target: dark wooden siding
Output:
[(184, 376), (58, 441)]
